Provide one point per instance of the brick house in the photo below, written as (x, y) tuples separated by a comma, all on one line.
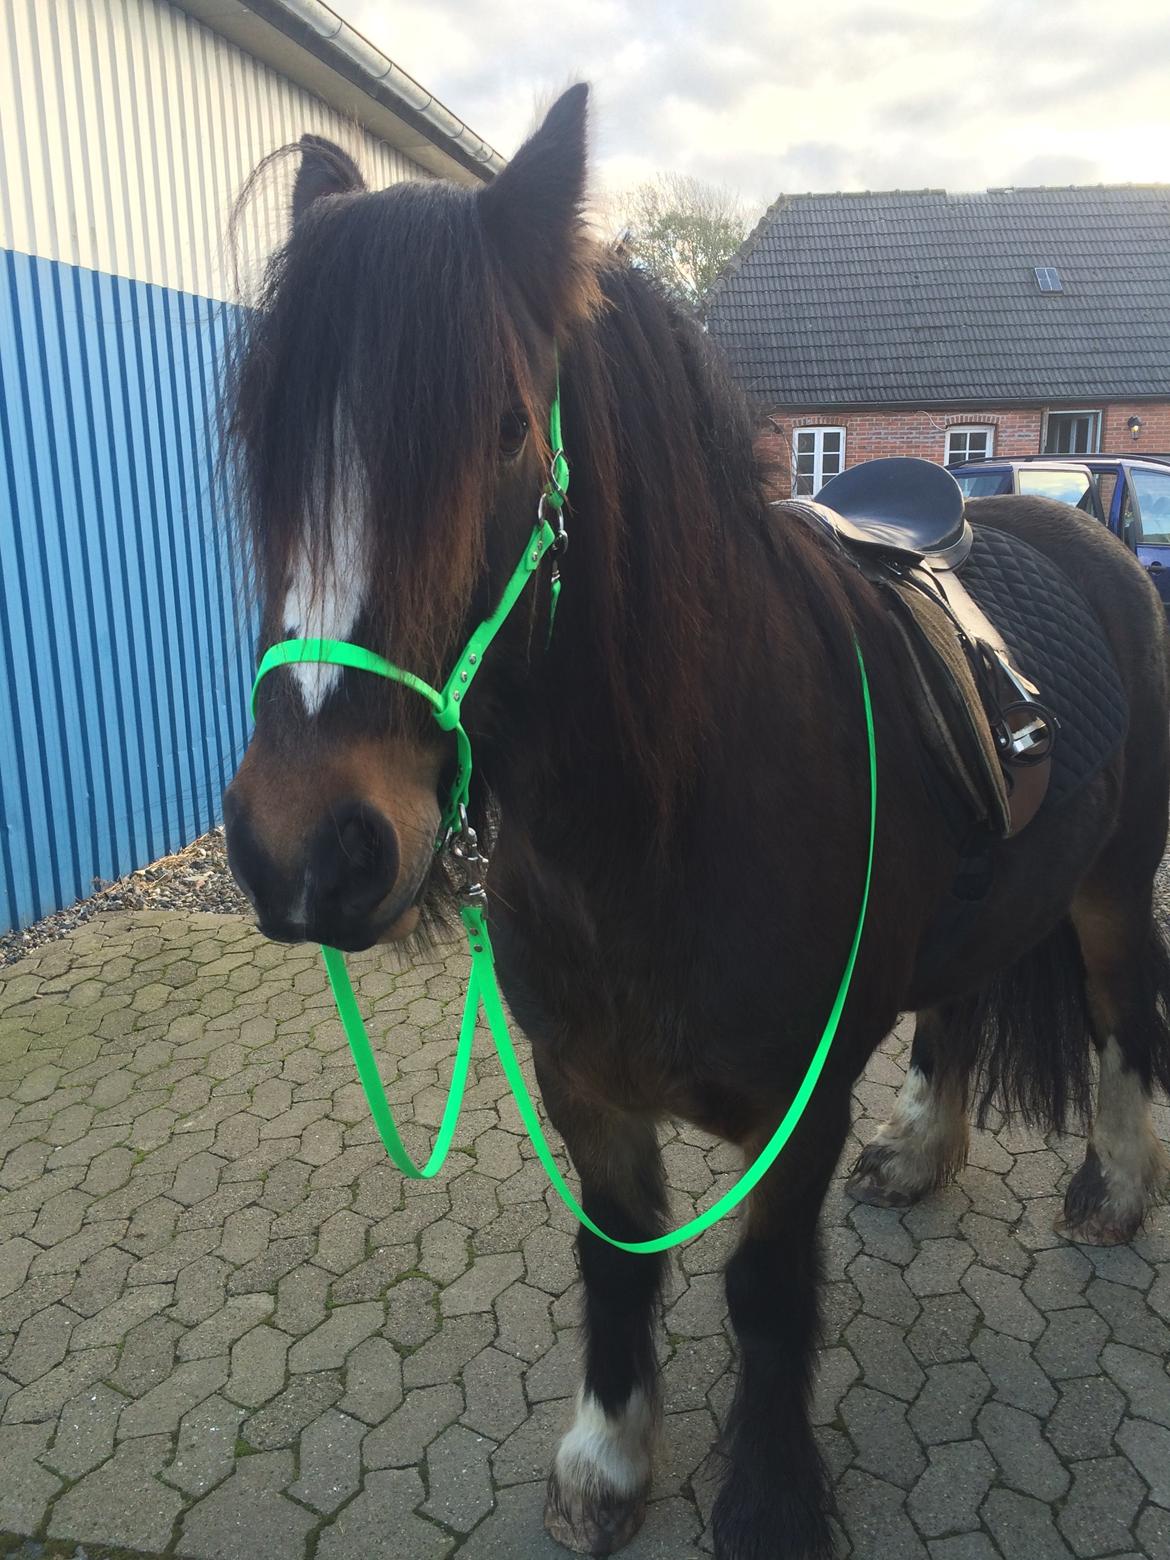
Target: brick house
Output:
[(1005, 322)]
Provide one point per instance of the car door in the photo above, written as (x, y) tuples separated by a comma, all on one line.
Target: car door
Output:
[(1151, 498)]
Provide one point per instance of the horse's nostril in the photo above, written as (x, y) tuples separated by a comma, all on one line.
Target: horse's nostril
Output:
[(354, 862)]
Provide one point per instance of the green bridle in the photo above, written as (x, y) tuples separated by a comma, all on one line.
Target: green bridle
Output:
[(459, 838)]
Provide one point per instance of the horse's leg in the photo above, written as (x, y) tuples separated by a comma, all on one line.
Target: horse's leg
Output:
[(601, 1475), (1126, 978), (774, 1503), (924, 1143)]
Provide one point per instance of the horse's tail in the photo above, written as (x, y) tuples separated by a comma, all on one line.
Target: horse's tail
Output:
[(1026, 1035)]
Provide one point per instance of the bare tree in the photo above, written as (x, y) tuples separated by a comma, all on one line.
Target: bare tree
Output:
[(682, 230)]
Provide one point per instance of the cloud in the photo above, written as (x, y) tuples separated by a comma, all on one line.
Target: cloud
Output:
[(764, 98)]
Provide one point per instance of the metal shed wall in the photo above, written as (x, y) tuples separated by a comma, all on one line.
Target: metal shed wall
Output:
[(126, 129)]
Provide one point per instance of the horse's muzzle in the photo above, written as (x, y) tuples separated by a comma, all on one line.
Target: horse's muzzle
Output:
[(342, 889)]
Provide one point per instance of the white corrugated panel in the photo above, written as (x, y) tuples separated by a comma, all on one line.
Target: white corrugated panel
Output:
[(126, 130)]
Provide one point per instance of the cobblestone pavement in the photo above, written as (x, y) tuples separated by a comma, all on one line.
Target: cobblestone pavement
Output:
[(229, 1329)]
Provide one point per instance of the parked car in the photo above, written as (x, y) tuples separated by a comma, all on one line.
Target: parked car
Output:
[(1130, 495)]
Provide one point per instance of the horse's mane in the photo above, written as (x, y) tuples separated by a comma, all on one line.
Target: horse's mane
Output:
[(685, 557)]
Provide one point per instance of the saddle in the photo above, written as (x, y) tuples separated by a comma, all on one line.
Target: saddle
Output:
[(902, 523)]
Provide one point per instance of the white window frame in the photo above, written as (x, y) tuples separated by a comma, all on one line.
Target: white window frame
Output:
[(969, 428), (818, 430), (1074, 411)]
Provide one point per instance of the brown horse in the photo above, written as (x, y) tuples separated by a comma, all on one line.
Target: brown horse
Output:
[(678, 777)]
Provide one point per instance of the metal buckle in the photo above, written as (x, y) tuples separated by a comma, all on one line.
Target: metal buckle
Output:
[(463, 848)]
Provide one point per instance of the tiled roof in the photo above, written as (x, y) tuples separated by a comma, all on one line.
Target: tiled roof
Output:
[(920, 296)]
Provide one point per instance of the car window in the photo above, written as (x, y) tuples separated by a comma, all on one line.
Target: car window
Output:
[(1152, 490), (984, 484), (1070, 487), (1106, 484)]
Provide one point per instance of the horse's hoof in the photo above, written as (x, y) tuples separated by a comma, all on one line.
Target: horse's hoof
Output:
[(1099, 1229), (596, 1521), (871, 1180), (1094, 1214)]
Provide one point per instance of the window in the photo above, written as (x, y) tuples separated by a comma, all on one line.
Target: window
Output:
[(1070, 487), (817, 455), (1072, 433), (985, 484), (969, 444), (1048, 278), (1152, 490)]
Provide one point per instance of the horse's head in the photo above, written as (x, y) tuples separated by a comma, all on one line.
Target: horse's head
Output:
[(388, 414)]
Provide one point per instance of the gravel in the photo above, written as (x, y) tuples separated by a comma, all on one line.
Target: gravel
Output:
[(195, 878)]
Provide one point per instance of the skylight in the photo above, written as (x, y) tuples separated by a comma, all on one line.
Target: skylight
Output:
[(1048, 278)]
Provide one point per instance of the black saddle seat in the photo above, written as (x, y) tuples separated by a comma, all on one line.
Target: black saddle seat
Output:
[(901, 505)]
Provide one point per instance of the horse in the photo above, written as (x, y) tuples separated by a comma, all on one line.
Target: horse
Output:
[(675, 779)]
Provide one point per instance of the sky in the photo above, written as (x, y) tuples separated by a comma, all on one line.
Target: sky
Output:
[(766, 97)]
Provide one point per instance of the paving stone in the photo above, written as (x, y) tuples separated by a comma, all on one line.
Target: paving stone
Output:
[(495, 1402), (443, 1356), (478, 1287), (26, 1487), (515, 1529), (1058, 1278), (1013, 1372), (1023, 1527), (938, 1266), (1086, 1418), (944, 1329), (46, 1397), (1002, 1301), (1143, 1378), (330, 1461), (1072, 1343), (945, 1409), (280, 1422), (967, 1546), (528, 1452), (1153, 1533), (1128, 1317), (328, 1346), (412, 1312), (121, 1503), (164, 1405), (1097, 1518), (884, 1291), (886, 1363), (1148, 1447), (697, 1363), (948, 1495), (85, 1431), (382, 1522), (885, 1445), (874, 1515), (459, 1478), (257, 1366), (247, 1516), (206, 1451), (525, 1328), (1026, 1460), (42, 1343), (837, 1370), (373, 1381), (401, 1440)]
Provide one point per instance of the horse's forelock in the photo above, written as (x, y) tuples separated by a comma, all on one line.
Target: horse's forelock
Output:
[(378, 364)]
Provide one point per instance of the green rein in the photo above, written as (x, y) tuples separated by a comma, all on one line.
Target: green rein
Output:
[(457, 836)]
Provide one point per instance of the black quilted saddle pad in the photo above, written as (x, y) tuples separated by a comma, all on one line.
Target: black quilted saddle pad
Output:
[(1058, 644)]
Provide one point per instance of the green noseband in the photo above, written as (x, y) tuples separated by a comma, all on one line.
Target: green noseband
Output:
[(482, 987)]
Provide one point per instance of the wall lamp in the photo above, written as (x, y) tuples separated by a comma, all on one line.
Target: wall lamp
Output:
[(1135, 426)]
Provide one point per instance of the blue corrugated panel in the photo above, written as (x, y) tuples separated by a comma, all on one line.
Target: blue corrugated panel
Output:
[(124, 654)]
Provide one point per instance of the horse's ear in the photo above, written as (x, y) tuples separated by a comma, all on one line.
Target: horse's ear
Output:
[(325, 170), (532, 214)]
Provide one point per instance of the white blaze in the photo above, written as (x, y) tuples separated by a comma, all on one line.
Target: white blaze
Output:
[(326, 603)]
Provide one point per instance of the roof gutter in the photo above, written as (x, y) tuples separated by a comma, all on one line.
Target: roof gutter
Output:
[(307, 41)]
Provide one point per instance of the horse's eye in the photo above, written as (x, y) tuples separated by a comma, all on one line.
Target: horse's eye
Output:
[(513, 432)]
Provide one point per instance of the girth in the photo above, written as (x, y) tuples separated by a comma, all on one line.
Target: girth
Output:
[(981, 717)]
